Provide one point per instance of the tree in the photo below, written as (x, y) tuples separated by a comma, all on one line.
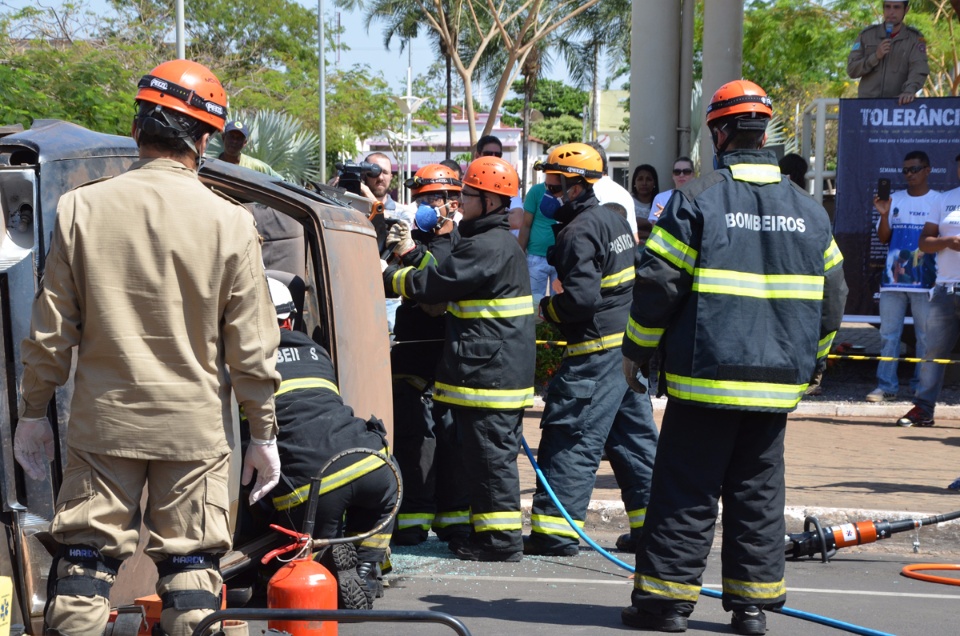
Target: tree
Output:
[(551, 97), (558, 130)]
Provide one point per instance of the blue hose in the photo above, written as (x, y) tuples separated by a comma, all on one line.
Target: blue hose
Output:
[(786, 611)]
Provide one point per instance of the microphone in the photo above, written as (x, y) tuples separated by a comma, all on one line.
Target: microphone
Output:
[(889, 27), (426, 218)]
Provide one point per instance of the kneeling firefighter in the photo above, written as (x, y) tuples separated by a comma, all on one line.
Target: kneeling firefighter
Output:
[(152, 278)]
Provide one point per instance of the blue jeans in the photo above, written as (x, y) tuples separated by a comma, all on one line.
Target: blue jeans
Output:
[(893, 309), (542, 276), (943, 327)]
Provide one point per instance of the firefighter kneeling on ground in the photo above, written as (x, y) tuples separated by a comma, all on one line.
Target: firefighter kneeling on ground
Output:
[(426, 447), (314, 425)]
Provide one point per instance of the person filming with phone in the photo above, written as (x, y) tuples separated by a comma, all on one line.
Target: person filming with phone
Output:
[(889, 58)]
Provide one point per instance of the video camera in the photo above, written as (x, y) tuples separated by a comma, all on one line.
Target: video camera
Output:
[(351, 174)]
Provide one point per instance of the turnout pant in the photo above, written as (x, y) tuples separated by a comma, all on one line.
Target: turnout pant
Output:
[(491, 443), (589, 407), (427, 451), (98, 513), (706, 454)]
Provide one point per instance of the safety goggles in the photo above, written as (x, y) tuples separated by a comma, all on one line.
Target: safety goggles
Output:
[(912, 169), (554, 189), (679, 171)]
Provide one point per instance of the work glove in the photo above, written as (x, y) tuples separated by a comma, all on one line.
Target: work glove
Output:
[(33, 446), (398, 238), (635, 379), (262, 456)]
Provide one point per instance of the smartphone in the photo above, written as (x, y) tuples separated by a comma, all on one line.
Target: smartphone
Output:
[(883, 189)]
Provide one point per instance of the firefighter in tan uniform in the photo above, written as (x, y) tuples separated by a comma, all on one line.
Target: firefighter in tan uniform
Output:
[(159, 285), (890, 58)]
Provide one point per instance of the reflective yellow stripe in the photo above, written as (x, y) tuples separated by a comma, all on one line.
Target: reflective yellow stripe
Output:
[(612, 341), (619, 278), (492, 308), (726, 281), (377, 541), (759, 591), (643, 336), (413, 380), (823, 348), (832, 257), (306, 383), (428, 260), (551, 312), (558, 526), (329, 483), (637, 517), (483, 398), (668, 589), (735, 392), (399, 279), (452, 518), (672, 250), (420, 520), (755, 173), (497, 521)]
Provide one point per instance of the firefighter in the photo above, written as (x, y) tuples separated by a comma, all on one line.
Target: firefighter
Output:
[(486, 371), (425, 444), (741, 284), (588, 403), (157, 283), (357, 491)]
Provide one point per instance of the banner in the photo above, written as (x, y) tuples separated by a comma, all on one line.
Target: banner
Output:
[(874, 137)]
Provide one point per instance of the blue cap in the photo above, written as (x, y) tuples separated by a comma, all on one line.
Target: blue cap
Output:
[(237, 125)]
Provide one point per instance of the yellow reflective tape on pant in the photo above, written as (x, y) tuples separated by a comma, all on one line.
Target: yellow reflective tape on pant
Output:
[(329, 483), (377, 541), (755, 173), (551, 312), (545, 524), (612, 341), (621, 277), (501, 399), (306, 383), (637, 518), (782, 286), (823, 347), (832, 256), (492, 308), (492, 521), (667, 589), (414, 520), (751, 590), (643, 336), (734, 392), (445, 519), (671, 249)]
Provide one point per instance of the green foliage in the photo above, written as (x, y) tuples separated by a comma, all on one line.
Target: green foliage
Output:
[(558, 130), (552, 98), (549, 355)]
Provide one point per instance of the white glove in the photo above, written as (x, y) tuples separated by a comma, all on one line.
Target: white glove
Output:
[(33, 445), (631, 371), (398, 238), (262, 456)]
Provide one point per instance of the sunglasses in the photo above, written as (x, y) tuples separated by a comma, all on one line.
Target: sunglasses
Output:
[(491, 153), (554, 189), (913, 169), (679, 171)]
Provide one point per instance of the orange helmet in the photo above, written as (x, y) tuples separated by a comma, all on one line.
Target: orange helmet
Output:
[(740, 97), (433, 178), (492, 174), (573, 160), (188, 88)]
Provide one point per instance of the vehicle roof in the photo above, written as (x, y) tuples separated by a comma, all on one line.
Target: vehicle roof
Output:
[(56, 140)]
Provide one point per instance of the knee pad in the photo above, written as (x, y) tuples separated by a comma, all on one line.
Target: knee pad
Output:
[(88, 558), (186, 600)]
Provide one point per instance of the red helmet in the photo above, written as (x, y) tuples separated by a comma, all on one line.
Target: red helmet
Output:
[(433, 178), (186, 87), (492, 174), (739, 97)]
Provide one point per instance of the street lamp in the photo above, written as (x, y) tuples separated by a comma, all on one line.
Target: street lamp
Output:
[(408, 106)]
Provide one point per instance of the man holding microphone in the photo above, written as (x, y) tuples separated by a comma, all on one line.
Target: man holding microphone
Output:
[(889, 58)]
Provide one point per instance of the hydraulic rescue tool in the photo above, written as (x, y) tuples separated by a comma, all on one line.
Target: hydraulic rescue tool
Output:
[(816, 539)]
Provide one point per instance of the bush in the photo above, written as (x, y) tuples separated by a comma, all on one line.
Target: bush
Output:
[(549, 355)]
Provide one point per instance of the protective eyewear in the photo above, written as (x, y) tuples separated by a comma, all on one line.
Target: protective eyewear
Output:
[(679, 171), (912, 169), (554, 189), (491, 153)]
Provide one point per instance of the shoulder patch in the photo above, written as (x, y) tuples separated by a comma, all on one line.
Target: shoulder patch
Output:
[(856, 46)]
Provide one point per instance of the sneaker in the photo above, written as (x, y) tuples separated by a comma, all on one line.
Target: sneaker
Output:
[(879, 395), (476, 553), (533, 548), (749, 620), (627, 543), (671, 621), (915, 417)]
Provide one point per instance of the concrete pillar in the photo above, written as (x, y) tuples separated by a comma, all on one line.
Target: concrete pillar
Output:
[(722, 60), (654, 85)]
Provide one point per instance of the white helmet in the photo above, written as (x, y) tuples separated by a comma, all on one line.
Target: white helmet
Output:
[(282, 299)]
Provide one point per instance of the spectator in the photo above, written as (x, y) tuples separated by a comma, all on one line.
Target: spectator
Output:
[(234, 140), (902, 218), (609, 191), (941, 236), (536, 238), (890, 58), (489, 146), (795, 167), (682, 172), (644, 187), (453, 165)]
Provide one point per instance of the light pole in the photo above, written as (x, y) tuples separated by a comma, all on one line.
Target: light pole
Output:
[(408, 106), (181, 47), (323, 97)]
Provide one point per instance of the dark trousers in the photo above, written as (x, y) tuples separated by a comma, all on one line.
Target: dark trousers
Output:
[(706, 455), (427, 450), (589, 407), (491, 443)]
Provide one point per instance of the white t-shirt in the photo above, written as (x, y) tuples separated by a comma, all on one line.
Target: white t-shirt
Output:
[(907, 269), (609, 191), (946, 215), (659, 202)]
